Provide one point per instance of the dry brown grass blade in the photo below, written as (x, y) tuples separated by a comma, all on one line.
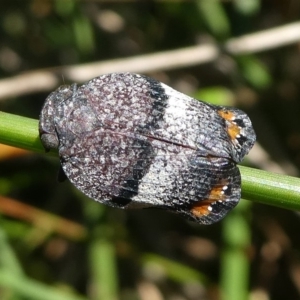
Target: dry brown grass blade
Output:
[(41, 219), (48, 79)]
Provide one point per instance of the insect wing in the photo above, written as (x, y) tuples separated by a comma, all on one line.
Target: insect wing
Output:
[(129, 141), (183, 181), (107, 165)]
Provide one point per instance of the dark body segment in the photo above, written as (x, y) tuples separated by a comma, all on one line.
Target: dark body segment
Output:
[(130, 141)]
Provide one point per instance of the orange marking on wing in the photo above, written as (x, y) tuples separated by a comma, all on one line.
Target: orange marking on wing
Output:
[(201, 208), (226, 114), (232, 129)]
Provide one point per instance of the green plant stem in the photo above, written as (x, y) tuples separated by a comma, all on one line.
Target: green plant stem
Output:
[(235, 263), (32, 289), (104, 270), (270, 188), (8, 259), (258, 186), (20, 132)]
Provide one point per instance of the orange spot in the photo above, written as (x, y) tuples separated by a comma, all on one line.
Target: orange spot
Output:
[(201, 208), (226, 114), (232, 129)]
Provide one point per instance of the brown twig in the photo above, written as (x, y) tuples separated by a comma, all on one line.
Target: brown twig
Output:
[(41, 219), (48, 79)]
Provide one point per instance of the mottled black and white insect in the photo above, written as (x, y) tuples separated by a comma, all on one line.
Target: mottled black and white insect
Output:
[(129, 141)]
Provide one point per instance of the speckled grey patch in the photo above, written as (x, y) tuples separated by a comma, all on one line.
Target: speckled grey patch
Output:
[(129, 141)]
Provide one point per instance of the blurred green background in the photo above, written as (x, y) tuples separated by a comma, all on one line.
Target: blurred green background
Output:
[(57, 244)]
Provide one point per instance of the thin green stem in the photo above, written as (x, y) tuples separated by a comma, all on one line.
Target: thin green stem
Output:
[(235, 263), (270, 188), (258, 186), (8, 259), (32, 289), (104, 269), (20, 132)]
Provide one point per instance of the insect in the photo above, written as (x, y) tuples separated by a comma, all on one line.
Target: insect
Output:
[(129, 141)]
